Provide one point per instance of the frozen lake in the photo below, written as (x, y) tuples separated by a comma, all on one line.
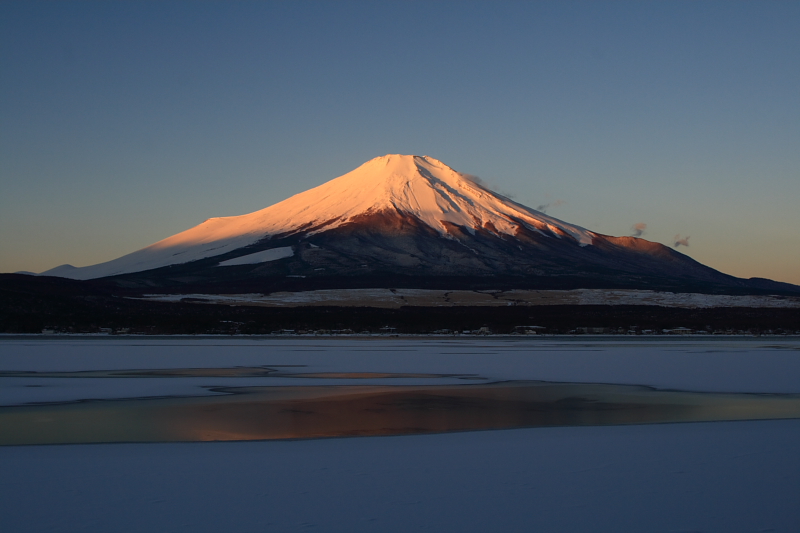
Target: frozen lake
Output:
[(702, 476)]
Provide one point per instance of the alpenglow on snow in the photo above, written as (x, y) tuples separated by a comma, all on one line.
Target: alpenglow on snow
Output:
[(416, 186)]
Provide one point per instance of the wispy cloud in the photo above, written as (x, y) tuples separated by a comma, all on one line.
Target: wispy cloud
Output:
[(638, 229), (544, 207), (681, 241)]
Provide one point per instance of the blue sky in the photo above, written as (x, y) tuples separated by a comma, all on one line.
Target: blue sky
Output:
[(122, 123)]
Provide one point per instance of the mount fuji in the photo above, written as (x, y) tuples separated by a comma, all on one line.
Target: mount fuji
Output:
[(405, 221)]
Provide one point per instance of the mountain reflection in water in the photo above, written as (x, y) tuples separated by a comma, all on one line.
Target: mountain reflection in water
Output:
[(302, 412)]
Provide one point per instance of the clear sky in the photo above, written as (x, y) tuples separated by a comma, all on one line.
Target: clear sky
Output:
[(122, 123)]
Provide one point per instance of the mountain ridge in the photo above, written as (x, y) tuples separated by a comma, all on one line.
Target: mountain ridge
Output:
[(411, 217), (417, 185)]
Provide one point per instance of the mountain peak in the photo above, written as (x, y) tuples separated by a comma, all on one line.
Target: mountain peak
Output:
[(418, 186), (399, 168), (409, 186)]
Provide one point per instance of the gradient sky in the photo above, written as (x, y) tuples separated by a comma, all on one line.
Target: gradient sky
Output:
[(122, 123)]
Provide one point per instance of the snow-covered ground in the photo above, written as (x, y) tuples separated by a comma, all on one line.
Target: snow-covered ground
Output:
[(425, 297), (727, 476), (273, 254)]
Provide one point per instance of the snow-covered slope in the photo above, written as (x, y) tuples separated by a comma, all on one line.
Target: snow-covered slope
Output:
[(265, 256), (416, 186)]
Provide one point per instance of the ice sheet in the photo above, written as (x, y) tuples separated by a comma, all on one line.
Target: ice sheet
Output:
[(732, 477), (768, 365)]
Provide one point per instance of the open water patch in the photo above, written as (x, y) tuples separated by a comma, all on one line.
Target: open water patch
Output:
[(323, 411)]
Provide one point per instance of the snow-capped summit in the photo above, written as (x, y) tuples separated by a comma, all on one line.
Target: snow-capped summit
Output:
[(401, 220), (417, 186), (420, 187)]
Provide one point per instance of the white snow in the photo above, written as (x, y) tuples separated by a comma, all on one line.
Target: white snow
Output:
[(419, 186), (265, 256)]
